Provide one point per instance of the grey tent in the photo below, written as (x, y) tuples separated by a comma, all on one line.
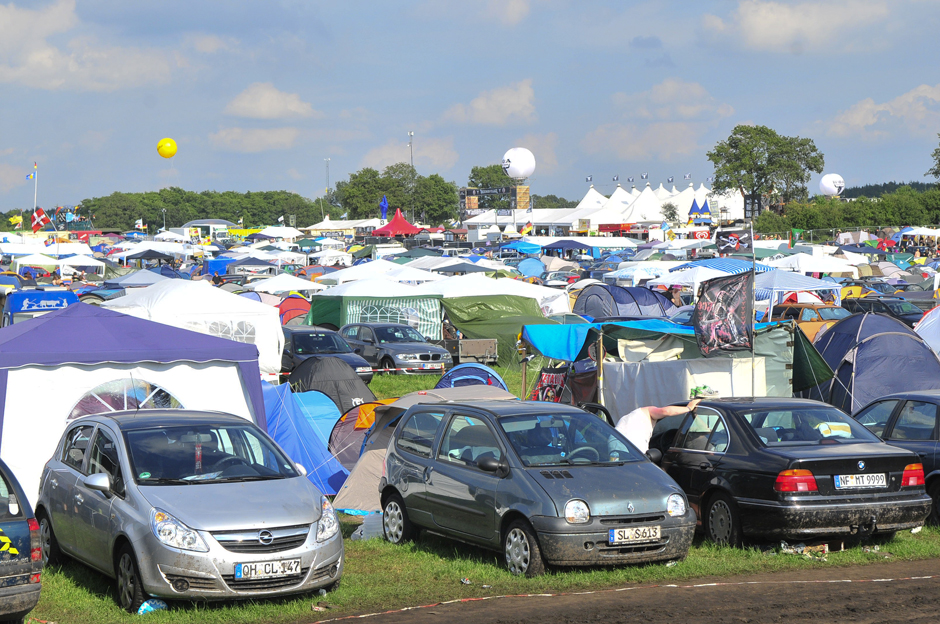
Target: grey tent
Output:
[(137, 279), (360, 492), (599, 301), (334, 378)]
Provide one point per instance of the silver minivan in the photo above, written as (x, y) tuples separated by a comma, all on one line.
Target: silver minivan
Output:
[(186, 505)]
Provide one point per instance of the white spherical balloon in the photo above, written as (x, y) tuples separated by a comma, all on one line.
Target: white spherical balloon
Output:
[(519, 163), (831, 184)]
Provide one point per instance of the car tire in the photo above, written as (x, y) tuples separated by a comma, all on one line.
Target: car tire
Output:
[(396, 525), (388, 362), (130, 588), (521, 550), (722, 521), (51, 555), (934, 491)]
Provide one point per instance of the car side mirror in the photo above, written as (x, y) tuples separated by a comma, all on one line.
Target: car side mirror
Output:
[(99, 481), (357, 350), (300, 468), (654, 455), (491, 464)]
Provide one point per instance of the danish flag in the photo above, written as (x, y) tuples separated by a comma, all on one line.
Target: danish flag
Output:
[(39, 219)]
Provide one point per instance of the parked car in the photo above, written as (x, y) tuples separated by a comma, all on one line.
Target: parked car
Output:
[(302, 342), (20, 551), (540, 482), (396, 346), (789, 468), (559, 279), (810, 317), (909, 420), (186, 505), (904, 311)]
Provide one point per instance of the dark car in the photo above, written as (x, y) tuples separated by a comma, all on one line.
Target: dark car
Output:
[(789, 468), (909, 420), (540, 482), (20, 551), (903, 310), (302, 342), (396, 346)]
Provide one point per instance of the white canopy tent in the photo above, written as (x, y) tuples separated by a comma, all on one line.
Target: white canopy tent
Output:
[(805, 263), (332, 257), (646, 208), (550, 300), (358, 272), (37, 260), (690, 277), (170, 236), (283, 232), (283, 282)]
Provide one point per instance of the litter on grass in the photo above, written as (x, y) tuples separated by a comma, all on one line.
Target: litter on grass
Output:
[(466, 581), (149, 606)]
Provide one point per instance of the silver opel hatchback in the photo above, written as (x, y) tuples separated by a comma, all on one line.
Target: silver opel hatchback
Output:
[(186, 505)]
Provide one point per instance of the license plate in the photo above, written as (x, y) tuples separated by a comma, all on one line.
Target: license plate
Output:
[(267, 569), (630, 535), (861, 481), (427, 366)]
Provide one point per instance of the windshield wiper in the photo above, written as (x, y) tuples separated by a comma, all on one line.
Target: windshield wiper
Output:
[(247, 478), (166, 481)]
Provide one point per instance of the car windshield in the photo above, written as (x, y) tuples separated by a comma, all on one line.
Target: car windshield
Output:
[(902, 307), (397, 334), (833, 314), (569, 438), (319, 342), (806, 426), (194, 454)]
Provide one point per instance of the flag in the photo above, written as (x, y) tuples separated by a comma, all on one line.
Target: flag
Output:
[(139, 224), (16, 220), (795, 236), (664, 226), (670, 179), (644, 176), (31, 176), (528, 210), (35, 165), (241, 220), (630, 179), (39, 219), (617, 178), (709, 179), (526, 228), (731, 241), (18, 226), (687, 176), (589, 178), (69, 217), (670, 235), (384, 206), (723, 314), (280, 219)]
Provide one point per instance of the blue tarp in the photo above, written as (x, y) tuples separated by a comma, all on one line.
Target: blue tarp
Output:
[(220, 265), (522, 247), (320, 411), (292, 432)]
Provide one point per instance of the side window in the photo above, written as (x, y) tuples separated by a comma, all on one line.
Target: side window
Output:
[(916, 421), (365, 334), (76, 445), (417, 435), (706, 432), (287, 341), (808, 314), (351, 332), (104, 458), (875, 417), (468, 439), (9, 506), (791, 314)]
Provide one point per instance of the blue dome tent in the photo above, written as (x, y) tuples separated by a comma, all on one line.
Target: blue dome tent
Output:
[(471, 374)]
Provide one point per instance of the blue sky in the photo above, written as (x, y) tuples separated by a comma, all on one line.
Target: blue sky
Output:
[(258, 94)]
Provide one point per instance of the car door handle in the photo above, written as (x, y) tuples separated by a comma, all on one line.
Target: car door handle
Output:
[(427, 475), (79, 499), (706, 466)]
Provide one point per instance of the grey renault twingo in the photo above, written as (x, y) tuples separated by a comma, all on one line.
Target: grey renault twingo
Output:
[(543, 483)]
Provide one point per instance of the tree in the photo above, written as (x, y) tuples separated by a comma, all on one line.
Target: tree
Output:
[(670, 212), (362, 194), (935, 170), (552, 201), (435, 199), (759, 162), (491, 176)]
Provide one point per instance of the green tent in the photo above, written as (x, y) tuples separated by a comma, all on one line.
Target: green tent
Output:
[(307, 243), (349, 303), (365, 252)]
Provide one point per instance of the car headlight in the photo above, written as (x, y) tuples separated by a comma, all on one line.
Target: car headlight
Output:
[(327, 525), (407, 357), (363, 369), (174, 533), (446, 356), (675, 505), (577, 512)]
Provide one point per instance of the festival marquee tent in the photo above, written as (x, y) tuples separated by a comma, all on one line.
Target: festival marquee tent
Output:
[(377, 300), (84, 359), (284, 282), (398, 226)]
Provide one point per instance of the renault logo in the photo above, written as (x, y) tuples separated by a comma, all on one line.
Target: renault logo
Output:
[(265, 537), (629, 507), (861, 465)]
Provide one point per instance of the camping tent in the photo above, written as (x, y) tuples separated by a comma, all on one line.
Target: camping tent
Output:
[(350, 430), (84, 359), (136, 279), (471, 374), (531, 267), (805, 263), (398, 226), (929, 329), (606, 300), (293, 307), (334, 378), (198, 306), (360, 493), (284, 282), (873, 355)]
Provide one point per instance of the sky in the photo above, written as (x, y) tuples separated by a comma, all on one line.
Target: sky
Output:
[(258, 94)]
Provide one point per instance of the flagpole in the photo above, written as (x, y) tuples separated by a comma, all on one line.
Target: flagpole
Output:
[(35, 185), (753, 311)]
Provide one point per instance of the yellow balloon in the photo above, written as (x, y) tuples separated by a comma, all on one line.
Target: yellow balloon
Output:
[(166, 148)]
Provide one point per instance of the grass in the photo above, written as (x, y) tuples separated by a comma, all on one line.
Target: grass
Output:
[(388, 386), (380, 576)]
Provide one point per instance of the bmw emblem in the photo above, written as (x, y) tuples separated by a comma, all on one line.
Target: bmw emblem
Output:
[(630, 507), (861, 465)]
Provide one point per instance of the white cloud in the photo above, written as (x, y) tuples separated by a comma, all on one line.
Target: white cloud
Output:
[(916, 111), (262, 100), (437, 154), (543, 148), (84, 64), (296, 175), (210, 44), (498, 107), (252, 140), (673, 99), (11, 177), (509, 12), (796, 27)]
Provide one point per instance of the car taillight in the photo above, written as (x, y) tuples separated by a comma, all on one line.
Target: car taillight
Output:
[(35, 578), (913, 475), (795, 481), (35, 544)]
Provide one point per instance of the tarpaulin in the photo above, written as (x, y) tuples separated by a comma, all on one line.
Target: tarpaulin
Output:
[(723, 315)]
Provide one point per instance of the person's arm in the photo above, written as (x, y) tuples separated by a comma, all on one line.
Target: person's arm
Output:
[(657, 413)]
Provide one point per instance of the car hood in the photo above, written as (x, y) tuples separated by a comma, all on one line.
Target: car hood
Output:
[(608, 490), (411, 347), (233, 506), (354, 360)]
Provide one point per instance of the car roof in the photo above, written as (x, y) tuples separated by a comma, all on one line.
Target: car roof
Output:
[(306, 328), (911, 394), (806, 305), (130, 420), (501, 409), (750, 403), (379, 324)]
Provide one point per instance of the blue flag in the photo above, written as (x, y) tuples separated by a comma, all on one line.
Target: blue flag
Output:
[(384, 205)]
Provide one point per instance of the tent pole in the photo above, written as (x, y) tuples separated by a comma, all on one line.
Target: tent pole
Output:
[(525, 365), (753, 318), (600, 367)]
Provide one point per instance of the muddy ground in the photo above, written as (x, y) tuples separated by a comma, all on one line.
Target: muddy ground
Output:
[(896, 592)]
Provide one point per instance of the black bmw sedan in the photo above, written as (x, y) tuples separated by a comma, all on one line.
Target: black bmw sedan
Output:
[(789, 468)]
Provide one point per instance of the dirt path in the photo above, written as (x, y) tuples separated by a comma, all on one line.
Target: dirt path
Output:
[(897, 592)]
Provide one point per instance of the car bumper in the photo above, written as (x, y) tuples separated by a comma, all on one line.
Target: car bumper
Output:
[(566, 544), (177, 574), (795, 520), (18, 600), (414, 368)]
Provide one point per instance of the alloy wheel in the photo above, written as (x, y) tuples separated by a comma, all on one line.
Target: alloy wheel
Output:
[(393, 521), (517, 551)]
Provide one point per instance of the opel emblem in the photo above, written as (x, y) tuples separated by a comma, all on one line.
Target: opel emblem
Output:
[(629, 507), (861, 465), (265, 537)]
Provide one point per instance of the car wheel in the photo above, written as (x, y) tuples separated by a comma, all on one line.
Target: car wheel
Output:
[(388, 362), (395, 523), (934, 491), (129, 586), (722, 525), (51, 555), (523, 555)]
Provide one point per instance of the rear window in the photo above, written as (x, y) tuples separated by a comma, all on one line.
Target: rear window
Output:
[(9, 507), (809, 426)]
